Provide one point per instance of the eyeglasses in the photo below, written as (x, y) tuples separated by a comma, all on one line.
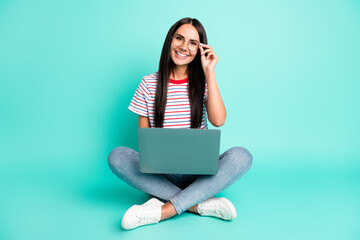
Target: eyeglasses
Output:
[(179, 40)]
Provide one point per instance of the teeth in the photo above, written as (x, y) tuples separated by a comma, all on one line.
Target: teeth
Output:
[(182, 55)]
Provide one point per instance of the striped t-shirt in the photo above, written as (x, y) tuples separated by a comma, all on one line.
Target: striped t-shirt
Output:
[(177, 110)]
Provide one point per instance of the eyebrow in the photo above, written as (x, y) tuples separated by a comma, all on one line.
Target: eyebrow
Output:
[(184, 37)]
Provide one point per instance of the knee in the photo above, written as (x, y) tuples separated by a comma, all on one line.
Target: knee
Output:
[(242, 157), (117, 156)]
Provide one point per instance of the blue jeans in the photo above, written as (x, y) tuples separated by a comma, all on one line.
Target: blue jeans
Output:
[(182, 190)]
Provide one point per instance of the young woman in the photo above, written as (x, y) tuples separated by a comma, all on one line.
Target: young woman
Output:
[(182, 94)]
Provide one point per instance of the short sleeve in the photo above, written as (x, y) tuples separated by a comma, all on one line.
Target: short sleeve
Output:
[(139, 102), (206, 91)]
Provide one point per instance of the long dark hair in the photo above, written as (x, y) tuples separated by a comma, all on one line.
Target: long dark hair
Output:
[(196, 77)]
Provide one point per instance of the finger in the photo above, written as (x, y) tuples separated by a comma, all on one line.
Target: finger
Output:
[(210, 53), (207, 51), (202, 54), (213, 57), (213, 54), (205, 46)]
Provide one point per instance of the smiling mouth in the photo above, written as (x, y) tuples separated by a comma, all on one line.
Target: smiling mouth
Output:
[(180, 55)]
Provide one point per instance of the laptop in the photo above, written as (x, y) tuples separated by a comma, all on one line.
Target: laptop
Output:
[(178, 151)]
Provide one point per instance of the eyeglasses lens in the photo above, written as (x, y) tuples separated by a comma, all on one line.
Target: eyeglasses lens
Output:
[(193, 45)]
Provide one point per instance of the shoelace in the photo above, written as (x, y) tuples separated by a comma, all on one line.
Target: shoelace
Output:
[(212, 208), (147, 216)]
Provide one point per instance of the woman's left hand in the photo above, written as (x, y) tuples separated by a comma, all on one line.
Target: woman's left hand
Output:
[(208, 62)]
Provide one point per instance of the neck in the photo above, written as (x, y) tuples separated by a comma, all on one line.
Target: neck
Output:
[(179, 72)]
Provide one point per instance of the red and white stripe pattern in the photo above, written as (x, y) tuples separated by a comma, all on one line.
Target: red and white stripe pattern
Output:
[(177, 111)]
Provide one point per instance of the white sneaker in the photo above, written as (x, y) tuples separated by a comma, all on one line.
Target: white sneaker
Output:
[(138, 215), (217, 207)]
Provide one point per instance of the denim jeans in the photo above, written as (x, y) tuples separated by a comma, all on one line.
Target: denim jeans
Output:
[(182, 190)]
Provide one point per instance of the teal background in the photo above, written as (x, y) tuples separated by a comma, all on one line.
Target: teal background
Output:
[(289, 76)]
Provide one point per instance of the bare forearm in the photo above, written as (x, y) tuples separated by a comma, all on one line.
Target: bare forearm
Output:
[(215, 106)]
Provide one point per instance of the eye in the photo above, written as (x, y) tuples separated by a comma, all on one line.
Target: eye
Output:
[(193, 43), (179, 38)]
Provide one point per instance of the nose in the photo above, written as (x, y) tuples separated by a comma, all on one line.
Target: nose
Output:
[(183, 46)]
